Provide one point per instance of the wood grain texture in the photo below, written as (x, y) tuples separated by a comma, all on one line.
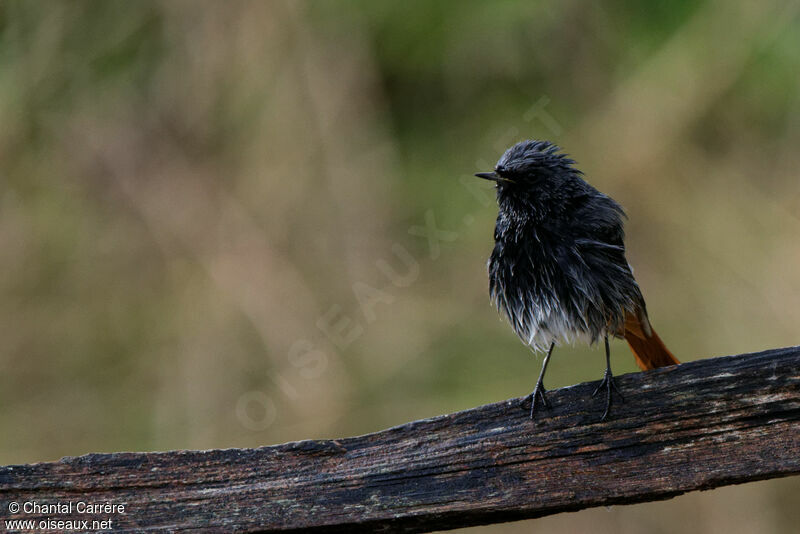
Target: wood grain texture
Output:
[(695, 426)]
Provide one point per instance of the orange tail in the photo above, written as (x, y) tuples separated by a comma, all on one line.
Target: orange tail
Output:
[(648, 349)]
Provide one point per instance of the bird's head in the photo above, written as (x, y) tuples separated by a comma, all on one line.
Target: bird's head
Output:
[(529, 165)]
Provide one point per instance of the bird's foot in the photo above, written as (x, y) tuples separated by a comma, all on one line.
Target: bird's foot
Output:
[(609, 385), (538, 395)]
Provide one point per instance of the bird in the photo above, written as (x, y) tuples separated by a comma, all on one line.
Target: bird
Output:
[(558, 270)]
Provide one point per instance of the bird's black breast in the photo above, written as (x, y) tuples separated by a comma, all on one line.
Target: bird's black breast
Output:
[(563, 273)]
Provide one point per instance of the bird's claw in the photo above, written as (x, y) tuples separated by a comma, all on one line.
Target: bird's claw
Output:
[(538, 394), (609, 384)]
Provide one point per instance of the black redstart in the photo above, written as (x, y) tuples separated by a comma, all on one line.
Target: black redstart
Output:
[(558, 269)]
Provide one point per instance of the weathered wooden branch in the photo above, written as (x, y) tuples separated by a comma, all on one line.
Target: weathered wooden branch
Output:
[(695, 426)]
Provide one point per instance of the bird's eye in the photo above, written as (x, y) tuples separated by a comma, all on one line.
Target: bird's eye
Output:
[(502, 171)]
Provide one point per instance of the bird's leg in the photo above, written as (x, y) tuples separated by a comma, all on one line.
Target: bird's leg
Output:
[(608, 382), (539, 391)]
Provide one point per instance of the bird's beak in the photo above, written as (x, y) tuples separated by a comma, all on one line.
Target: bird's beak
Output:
[(493, 176)]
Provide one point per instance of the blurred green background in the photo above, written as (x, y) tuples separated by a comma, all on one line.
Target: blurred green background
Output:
[(214, 215)]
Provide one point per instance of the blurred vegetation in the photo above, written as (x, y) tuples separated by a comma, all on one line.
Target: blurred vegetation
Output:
[(188, 190)]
